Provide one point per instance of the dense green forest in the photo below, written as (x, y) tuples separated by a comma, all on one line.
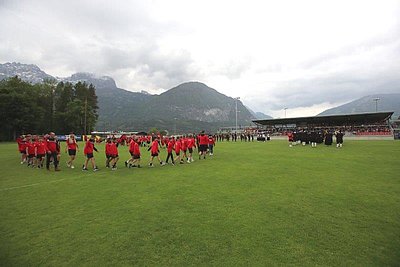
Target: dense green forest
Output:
[(49, 106)]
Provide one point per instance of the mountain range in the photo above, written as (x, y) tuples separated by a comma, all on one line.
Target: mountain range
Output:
[(385, 102), (191, 106)]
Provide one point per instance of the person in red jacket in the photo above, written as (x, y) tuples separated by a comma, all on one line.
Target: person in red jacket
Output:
[(88, 151), (134, 150), (178, 146), (211, 144), (203, 144), (30, 152), (184, 149), (191, 143), (108, 152), (51, 150), (21, 141), (40, 152), (131, 149), (155, 152), (114, 154), (170, 148), (72, 147)]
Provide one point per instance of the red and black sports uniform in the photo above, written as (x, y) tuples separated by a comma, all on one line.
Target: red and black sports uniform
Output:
[(203, 142), (30, 149), (211, 144), (154, 148), (184, 145), (170, 148), (21, 145), (131, 147), (190, 144), (52, 150), (108, 149), (71, 145), (40, 149), (136, 151), (89, 148), (178, 146)]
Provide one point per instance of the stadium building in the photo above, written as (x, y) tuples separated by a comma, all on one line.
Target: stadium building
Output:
[(374, 125)]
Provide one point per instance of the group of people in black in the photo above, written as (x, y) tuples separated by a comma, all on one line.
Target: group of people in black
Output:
[(314, 137), (234, 137)]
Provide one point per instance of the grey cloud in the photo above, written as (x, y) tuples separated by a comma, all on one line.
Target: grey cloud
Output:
[(235, 68), (339, 87), (389, 39)]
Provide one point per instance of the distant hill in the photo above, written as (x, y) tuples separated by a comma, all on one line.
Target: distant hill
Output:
[(259, 115), (29, 73), (387, 102), (191, 106)]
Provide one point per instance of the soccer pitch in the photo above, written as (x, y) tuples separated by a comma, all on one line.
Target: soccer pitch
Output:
[(249, 204)]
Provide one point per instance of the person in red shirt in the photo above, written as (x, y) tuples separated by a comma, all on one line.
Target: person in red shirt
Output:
[(178, 146), (108, 151), (72, 147), (211, 144), (52, 148), (40, 152), (21, 141), (170, 148), (131, 149), (191, 143), (134, 150), (114, 154), (30, 151), (203, 144), (290, 138), (88, 151), (184, 149), (155, 152)]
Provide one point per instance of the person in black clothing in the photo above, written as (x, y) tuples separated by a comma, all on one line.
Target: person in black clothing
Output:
[(313, 138), (328, 138), (339, 139)]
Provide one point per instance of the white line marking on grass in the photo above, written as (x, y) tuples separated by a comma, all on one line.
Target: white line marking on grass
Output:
[(29, 185)]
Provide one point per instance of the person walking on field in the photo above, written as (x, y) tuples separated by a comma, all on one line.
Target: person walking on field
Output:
[(51, 149), (134, 150), (30, 151), (72, 147), (88, 151), (191, 144), (170, 148), (339, 139), (40, 152), (21, 141), (203, 145), (114, 154), (178, 150), (155, 153), (211, 144)]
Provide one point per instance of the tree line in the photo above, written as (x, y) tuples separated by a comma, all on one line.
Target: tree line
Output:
[(48, 106)]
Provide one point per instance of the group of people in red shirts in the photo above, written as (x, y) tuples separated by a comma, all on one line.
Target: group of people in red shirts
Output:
[(181, 146), (34, 149)]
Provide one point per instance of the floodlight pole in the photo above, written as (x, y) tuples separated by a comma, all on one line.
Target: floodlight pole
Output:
[(285, 111), (376, 103), (236, 98)]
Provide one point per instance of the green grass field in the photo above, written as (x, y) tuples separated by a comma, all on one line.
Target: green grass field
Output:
[(250, 204)]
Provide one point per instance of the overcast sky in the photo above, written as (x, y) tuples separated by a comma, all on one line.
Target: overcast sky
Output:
[(304, 55)]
